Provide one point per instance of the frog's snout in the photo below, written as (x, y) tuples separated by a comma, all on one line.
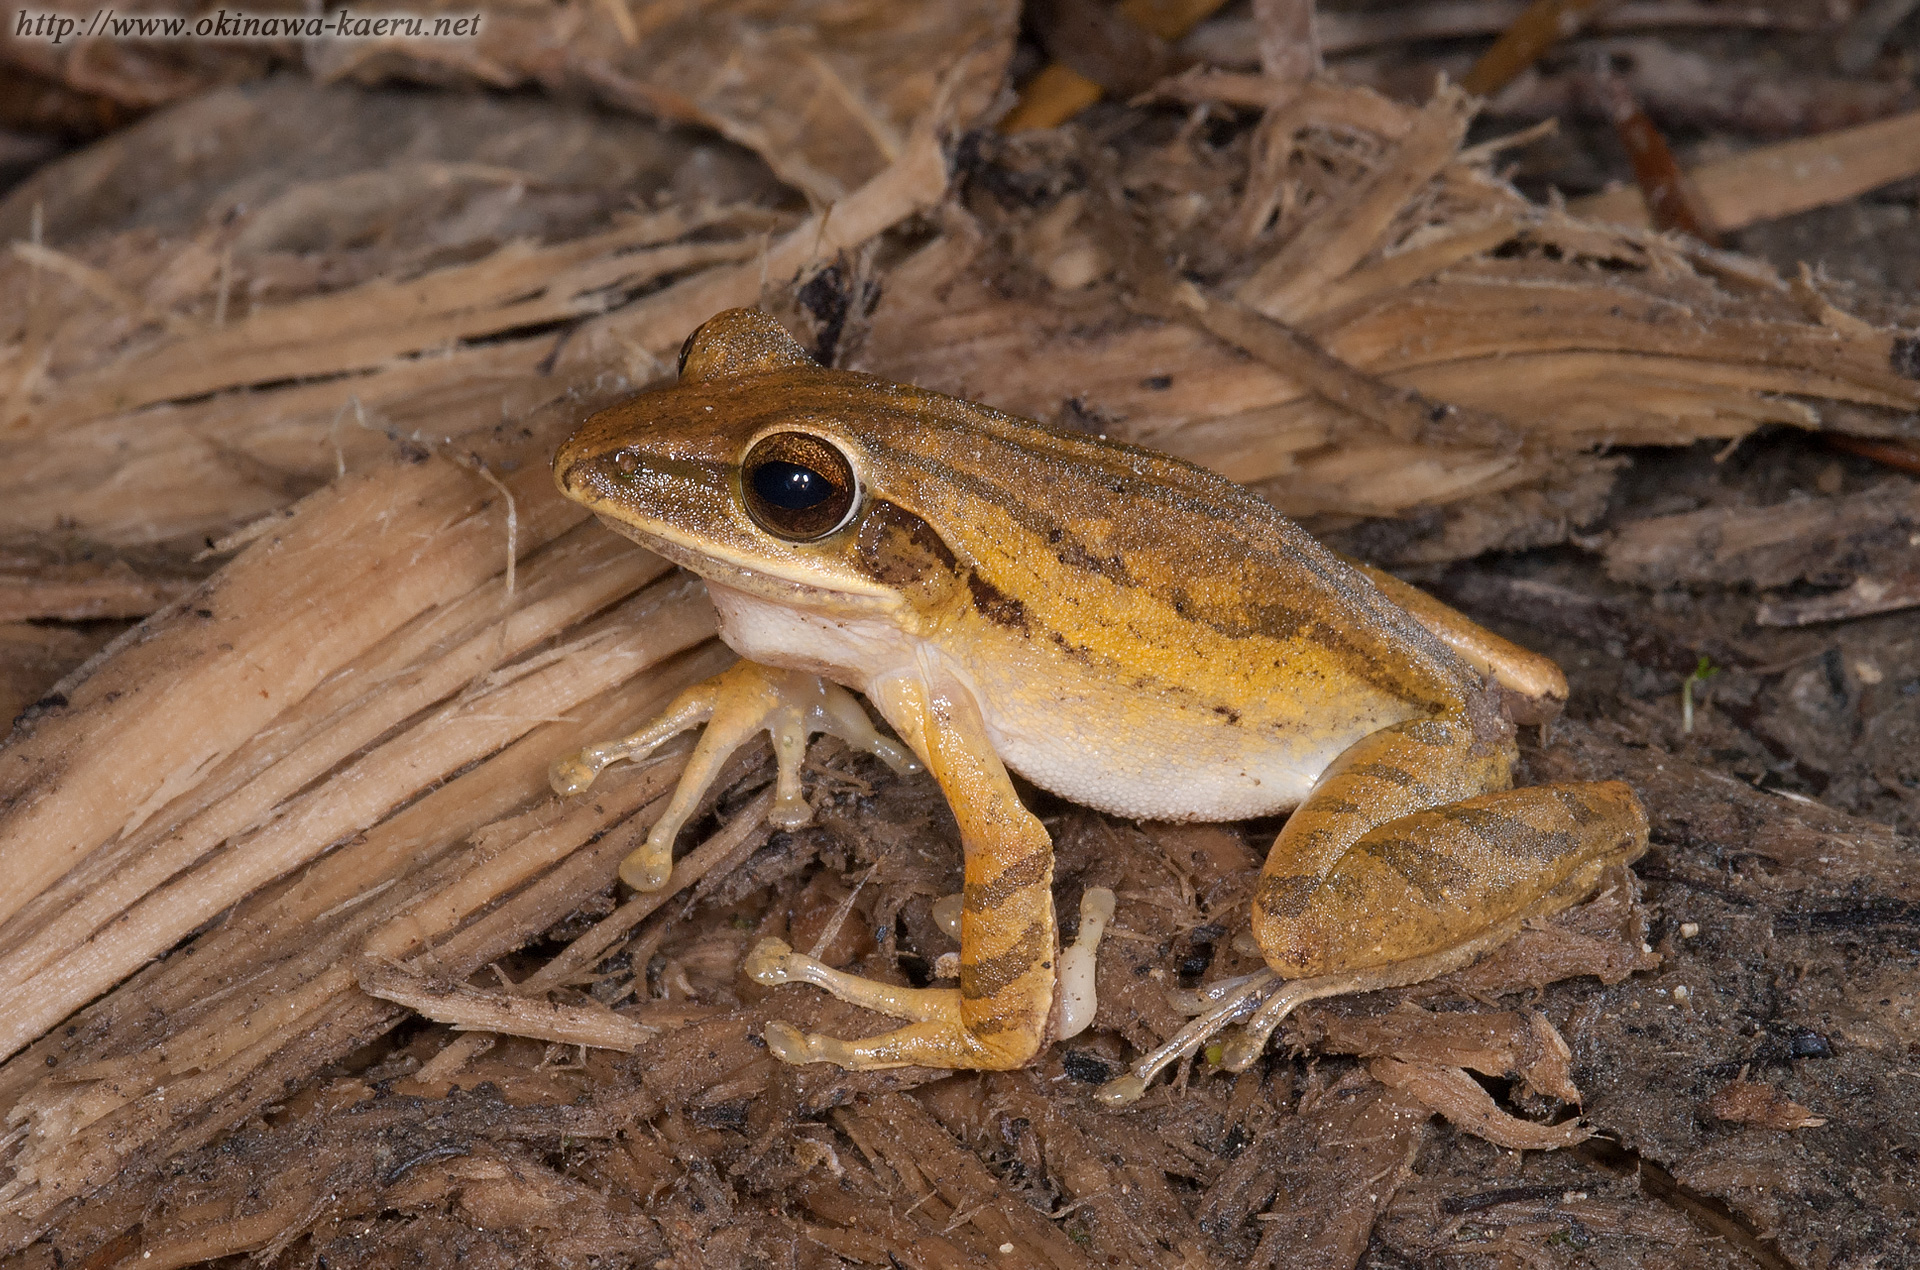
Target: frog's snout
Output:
[(582, 476), (583, 472), (569, 466)]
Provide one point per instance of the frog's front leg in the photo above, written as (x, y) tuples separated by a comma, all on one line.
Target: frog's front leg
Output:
[(997, 1018), (736, 704)]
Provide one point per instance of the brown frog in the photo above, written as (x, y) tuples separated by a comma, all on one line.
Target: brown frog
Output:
[(1125, 629)]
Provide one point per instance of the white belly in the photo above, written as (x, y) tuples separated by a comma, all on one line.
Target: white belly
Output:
[(1151, 763), (1142, 760)]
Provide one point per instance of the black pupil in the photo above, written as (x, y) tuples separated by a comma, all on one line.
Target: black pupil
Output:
[(797, 486), (790, 486)]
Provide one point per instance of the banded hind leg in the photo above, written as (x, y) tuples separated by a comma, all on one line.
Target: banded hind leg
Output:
[(1411, 856), (998, 1017)]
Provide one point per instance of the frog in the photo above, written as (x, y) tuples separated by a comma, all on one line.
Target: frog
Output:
[(1126, 630)]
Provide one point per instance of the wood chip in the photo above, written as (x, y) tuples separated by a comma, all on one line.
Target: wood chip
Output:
[(1864, 598), (1824, 540), (1536, 29), (1748, 1102)]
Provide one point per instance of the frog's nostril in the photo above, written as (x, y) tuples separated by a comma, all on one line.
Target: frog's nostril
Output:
[(573, 475)]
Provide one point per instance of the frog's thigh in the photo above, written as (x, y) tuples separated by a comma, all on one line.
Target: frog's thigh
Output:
[(1434, 880), (998, 1017), (1520, 669)]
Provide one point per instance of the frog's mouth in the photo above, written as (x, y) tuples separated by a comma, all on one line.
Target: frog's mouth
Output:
[(756, 578)]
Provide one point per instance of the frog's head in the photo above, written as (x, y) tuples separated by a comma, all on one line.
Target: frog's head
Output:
[(754, 469)]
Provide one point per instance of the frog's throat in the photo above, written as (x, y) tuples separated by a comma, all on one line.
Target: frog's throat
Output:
[(760, 580)]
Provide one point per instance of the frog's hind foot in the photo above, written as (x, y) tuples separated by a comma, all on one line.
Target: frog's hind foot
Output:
[(1265, 1000), (1235, 1000), (736, 704)]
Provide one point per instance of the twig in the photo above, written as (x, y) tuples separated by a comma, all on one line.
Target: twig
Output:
[(1059, 92), (1670, 198), (1405, 414), (474, 1010), (1864, 598), (1779, 180), (1544, 24), (1893, 451)]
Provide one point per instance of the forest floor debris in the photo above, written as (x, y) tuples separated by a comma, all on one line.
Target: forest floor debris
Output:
[(292, 833)]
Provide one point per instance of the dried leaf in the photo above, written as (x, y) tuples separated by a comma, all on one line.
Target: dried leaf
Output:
[(1457, 1096), (1504, 1044)]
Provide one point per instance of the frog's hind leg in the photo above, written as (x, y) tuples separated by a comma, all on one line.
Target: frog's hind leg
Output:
[(1426, 883), (1407, 860), (998, 1017), (1536, 682), (1391, 872)]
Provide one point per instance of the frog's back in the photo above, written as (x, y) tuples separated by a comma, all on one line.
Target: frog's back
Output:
[(1125, 603)]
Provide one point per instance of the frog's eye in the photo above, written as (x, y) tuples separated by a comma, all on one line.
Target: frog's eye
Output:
[(797, 486)]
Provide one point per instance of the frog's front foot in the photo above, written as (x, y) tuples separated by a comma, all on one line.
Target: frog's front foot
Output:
[(939, 1036), (787, 1043), (999, 1016), (736, 704), (767, 964)]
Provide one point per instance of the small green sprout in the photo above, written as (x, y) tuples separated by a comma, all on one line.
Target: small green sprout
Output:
[(1693, 682)]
